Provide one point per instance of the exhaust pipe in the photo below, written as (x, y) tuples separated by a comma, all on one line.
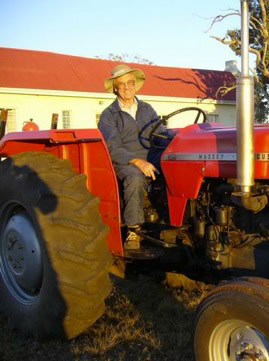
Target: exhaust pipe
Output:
[(245, 111)]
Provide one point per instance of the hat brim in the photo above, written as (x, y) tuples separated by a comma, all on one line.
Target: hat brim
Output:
[(139, 76)]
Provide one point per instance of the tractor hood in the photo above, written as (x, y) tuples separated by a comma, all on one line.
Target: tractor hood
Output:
[(214, 147)]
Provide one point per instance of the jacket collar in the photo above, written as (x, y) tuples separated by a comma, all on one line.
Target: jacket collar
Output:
[(116, 108)]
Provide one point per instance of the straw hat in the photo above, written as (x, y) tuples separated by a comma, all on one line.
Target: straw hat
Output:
[(123, 69)]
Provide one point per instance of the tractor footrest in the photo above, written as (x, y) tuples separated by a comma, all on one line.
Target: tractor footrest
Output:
[(143, 253), (156, 241)]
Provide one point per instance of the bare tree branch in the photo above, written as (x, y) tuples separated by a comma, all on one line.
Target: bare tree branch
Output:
[(259, 46), (224, 90), (126, 58), (263, 9), (254, 20), (220, 18), (264, 55), (226, 42)]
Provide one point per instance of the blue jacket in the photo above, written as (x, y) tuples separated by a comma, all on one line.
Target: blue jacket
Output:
[(121, 130)]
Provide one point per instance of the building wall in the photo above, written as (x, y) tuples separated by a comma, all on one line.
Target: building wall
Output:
[(41, 107), (85, 108)]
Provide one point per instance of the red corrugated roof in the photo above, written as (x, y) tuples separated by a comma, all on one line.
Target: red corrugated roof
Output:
[(45, 70)]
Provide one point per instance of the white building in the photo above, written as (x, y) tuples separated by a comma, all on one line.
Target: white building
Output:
[(35, 84)]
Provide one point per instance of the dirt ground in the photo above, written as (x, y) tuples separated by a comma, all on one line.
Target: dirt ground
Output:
[(144, 321)]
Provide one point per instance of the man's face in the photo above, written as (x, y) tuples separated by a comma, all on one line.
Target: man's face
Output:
[(125, 86)]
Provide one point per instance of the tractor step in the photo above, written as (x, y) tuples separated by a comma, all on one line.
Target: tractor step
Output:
[(144, 253)]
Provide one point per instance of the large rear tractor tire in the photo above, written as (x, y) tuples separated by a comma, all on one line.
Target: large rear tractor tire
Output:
[(54, 259), (232, 322)]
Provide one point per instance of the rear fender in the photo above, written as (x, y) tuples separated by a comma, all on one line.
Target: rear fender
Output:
[(87, 151)]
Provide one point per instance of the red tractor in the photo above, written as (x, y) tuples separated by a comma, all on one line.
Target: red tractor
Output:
[(207, 213)]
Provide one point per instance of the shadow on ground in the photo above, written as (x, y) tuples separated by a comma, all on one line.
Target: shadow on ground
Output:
[(144, 321)]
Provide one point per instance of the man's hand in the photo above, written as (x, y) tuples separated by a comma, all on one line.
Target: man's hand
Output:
[(147, 168)]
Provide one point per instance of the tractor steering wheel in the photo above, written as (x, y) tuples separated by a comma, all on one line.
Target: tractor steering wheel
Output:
[(198, 110), (163, 121)]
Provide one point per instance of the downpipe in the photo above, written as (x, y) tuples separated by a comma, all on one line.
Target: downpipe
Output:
[(245, 115)]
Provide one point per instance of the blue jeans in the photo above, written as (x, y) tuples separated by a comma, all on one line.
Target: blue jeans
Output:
[(134, 187)]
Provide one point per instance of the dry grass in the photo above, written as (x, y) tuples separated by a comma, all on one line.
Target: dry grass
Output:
[(144, 321)]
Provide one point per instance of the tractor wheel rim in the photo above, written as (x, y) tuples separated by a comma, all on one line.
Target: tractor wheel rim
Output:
[(21, 263), (236, 340)]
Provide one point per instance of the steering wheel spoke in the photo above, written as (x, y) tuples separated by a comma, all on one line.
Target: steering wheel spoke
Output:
[(162, 136)]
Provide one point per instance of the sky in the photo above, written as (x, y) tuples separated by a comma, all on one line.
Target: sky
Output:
[(168, 32)]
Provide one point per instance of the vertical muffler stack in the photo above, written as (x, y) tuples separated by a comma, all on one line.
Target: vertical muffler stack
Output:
[(245, 111)]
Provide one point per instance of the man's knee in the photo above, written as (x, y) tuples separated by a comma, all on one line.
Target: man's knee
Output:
[(136, 180)]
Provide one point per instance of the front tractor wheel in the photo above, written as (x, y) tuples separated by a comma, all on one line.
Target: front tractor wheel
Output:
[(232, 323), (53, 255)]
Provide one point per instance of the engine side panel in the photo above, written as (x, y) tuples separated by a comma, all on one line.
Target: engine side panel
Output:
[(206, 150)]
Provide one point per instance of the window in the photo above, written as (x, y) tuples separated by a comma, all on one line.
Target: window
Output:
[(11, 125), (212, 118), (66, 117)]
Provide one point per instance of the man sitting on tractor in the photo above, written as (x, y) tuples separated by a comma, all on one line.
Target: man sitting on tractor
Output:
[(120, 124)]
